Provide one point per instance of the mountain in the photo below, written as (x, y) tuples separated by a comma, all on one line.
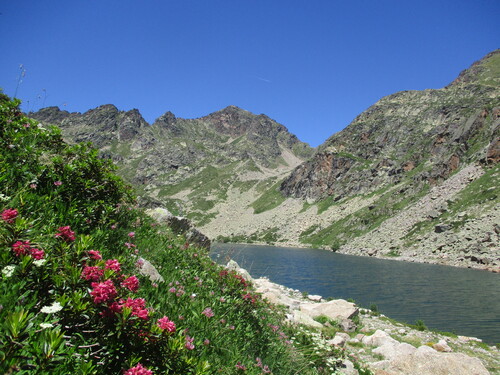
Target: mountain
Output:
[(414, 177), (187, 165)]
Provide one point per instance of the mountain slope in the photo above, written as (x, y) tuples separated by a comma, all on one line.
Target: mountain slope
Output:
[(186, 164)]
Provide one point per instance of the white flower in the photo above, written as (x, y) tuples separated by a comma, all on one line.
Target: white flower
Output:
[(46, 325), (39, 262), (55, 307), (4, 198), (8, 270)]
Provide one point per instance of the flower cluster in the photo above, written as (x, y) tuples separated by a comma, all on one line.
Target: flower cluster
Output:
[(9, 215), (103, 292), (24, 248), (66, 234), (131, 283), (208, 312), (138, 370), (166, 324)]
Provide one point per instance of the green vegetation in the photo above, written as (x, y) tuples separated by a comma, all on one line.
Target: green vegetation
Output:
[(268, 236), (271, 198), (72, 297)]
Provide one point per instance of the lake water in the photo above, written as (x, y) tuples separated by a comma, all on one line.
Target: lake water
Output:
[(463, 301)]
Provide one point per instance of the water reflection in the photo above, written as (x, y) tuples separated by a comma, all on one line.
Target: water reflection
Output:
[(453, 299)]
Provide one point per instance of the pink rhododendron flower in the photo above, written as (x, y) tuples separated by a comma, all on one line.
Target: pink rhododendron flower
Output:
[(166, 324), (138, 370), (58, 183), (94, 254), (189, 343), (138, 307), (241, 367), (37, 254), (9, 215), (131, 283), (208, 312), (66, 233), (113, 264), (21, 248), (93, 273), (131, 234), (103, 292)]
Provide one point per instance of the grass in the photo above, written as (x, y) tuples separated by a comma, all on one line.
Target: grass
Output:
[(270, 199)]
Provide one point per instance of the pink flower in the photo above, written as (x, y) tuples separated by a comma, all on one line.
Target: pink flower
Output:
[(94, 254), (113, 226), (66, 234), (21, 248), (113, 264), (206, 342), (9, 215), (166, 324), (58, 183), (131, 283), (189, 343), (37, 254), (131, 234), (103, 292), (33, 186), (93, 273), (241, 367), (172, 290), (129, 245), (138, 370), (208, 312), (137, 306)]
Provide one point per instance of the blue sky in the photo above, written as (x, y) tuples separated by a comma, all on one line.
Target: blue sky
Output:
[(312, 65)]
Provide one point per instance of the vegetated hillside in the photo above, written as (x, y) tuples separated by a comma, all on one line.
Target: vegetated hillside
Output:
[(76, 297), (187, 165)]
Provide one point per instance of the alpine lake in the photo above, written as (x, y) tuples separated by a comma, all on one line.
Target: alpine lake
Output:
[(458, 300)]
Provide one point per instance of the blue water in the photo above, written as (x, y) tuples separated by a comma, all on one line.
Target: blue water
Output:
[(463, 301)]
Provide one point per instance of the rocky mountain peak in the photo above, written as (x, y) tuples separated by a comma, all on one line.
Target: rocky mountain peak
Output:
[(484, 71)]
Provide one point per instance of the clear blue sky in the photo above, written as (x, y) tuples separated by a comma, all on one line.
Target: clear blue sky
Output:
[(312, 65)]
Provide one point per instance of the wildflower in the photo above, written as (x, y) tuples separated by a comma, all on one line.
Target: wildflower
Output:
[(139, 263), (94, 254), (241, 367), (222, 299), (39, 262), (137, 306), (21, 248), (129, 245), (33, 186), (231, 328), (46, 325), (131, 234), (66, 234), (37, 254), (113, 264), (138, 370), (113, 226), (9, 215), (208, 312), (131, 283), (206, 342), (55, 307), (26, 126), (57, 183), (4, 198), (189, 343), (166, 324), (93, 273), (8, 270), (103, 292), (172, 290)]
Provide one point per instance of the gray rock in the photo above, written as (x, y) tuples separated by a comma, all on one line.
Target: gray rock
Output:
[(333, 309)]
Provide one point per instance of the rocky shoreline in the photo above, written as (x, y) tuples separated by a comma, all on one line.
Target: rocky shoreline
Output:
[(384, 346)]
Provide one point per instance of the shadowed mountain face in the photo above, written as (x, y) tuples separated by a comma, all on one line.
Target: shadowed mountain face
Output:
[(423, 135)]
